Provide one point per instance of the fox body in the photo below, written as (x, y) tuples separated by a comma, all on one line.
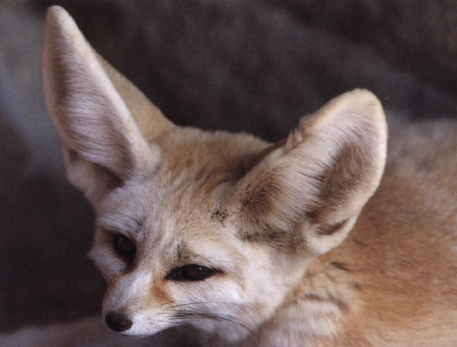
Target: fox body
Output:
[(300, 243)]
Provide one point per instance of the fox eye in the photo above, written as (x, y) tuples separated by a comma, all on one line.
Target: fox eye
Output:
[(124, 247), (191, 272)]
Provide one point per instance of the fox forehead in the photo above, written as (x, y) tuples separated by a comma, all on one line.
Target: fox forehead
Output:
[(177, 207), (202, 155)]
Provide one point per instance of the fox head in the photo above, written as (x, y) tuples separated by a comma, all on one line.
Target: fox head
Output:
[(204, 228)]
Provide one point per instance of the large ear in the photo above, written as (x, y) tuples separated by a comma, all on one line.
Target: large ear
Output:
[(308, 190), (104, 122)]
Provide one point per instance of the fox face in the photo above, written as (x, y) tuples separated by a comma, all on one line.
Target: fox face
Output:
[(171, 254), (210, 229)]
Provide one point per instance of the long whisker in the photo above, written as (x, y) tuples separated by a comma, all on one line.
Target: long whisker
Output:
[(218, 317), (167, 303), (207, 302), (180, 314)]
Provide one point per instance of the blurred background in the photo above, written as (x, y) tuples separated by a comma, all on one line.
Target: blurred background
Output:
[(240, 65)]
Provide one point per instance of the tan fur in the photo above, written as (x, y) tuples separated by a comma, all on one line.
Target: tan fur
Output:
[(304, 254)]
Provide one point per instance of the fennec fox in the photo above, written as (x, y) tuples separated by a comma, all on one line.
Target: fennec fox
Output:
[(298, 243)]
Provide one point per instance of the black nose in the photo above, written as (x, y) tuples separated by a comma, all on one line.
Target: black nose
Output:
[(117, 321)]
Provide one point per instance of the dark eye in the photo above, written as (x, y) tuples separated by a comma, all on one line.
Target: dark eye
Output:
[(191, 272), (124, 247)]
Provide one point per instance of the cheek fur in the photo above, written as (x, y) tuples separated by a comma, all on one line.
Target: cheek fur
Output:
[(160, 294)]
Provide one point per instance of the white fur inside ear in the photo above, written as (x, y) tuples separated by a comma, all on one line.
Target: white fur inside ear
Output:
[(318, 243), (85, 94), (348, 136), (92, 119), (324, 173)]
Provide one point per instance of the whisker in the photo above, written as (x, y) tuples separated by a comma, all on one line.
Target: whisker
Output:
[(179, 305), (176, 317), (218, 317), (207, 302), (166, 303)]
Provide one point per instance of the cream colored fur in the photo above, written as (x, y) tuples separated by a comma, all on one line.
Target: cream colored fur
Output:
[(303, 253)]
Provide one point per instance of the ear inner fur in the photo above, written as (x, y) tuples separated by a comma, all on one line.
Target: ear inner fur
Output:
[(324, 173), (84, 96)]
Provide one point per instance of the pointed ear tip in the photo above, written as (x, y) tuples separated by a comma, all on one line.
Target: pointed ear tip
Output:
[(362, 97), (363, 100), (357, 102), (57, 13), (59, 19), (371, 106)]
